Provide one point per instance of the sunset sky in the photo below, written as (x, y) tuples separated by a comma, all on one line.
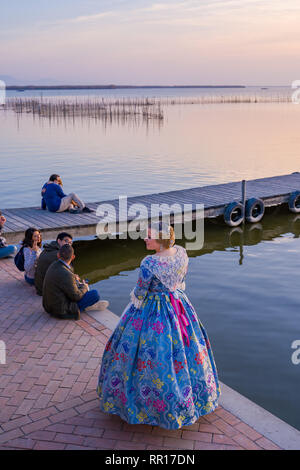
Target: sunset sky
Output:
[(147, 42)]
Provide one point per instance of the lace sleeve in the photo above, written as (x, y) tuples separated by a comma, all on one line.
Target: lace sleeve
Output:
[(139, 293)]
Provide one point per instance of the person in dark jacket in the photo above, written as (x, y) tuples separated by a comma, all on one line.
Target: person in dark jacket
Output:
[(48, 255), (55, 200), (63, 297)]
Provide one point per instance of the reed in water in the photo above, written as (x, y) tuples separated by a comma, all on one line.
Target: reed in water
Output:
[(219, 99), (97, 108), (123, 110)]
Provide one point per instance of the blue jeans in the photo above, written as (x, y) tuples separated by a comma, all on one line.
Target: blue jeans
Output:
[(89, 298), (9, 250), (29, 280)]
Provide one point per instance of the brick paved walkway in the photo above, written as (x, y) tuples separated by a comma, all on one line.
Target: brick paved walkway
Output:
[(47, 387)]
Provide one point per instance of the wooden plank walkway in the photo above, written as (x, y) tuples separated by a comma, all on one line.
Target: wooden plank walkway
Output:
[(273, 190)]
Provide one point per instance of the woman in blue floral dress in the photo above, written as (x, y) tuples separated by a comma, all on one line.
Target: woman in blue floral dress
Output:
[(158, 366)]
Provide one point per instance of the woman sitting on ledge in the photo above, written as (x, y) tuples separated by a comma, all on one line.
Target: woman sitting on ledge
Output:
[(55, 200), (32, 244)]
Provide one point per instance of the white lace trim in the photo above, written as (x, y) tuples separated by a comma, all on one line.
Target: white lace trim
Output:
[(136, 302), (170, 270)]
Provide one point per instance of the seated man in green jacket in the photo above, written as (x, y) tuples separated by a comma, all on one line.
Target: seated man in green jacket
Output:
[(48, 255), (63, 297), (46, 258)]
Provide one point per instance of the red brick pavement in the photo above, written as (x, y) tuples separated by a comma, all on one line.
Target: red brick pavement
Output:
[(47, 387)]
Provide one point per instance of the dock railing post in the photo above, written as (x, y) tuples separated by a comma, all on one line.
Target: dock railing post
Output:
[(243, 223), (244, 198)]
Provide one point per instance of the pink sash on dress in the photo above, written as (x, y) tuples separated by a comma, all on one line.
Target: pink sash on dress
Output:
[(183, 321)]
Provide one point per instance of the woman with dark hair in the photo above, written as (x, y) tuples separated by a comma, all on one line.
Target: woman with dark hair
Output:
[(158, 366), (32, 244)]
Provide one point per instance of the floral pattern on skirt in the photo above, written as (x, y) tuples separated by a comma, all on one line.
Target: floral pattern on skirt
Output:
[(149, 375)]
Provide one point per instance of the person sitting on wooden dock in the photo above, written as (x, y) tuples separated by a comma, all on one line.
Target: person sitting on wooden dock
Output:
[(47, 257), (5, 250), (63, 296), (55, 200)]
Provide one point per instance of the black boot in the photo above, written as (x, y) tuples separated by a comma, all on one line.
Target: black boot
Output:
[(87, 209)]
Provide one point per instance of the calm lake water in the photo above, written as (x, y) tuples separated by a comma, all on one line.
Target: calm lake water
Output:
[(194, 145), (245, 287)]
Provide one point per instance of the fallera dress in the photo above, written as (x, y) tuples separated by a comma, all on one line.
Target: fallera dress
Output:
[(158, 366)]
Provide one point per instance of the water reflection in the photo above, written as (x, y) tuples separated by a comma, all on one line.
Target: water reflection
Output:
[(101, 259)]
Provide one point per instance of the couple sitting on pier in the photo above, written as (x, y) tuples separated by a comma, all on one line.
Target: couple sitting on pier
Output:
[(55, 200)]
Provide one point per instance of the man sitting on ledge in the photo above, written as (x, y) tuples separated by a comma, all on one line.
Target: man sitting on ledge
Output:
[(63, 297), (46, 258)]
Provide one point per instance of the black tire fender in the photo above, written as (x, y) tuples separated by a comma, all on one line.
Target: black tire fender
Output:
[(234, 214)]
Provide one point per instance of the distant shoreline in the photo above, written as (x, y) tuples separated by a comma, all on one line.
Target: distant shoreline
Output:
[(111, 87)]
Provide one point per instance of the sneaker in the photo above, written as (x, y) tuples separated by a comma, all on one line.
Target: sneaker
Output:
[(100, 305), (74, 211), (87, 209)]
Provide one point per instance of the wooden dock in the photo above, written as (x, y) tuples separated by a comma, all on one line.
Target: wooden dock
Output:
[(273, 191)]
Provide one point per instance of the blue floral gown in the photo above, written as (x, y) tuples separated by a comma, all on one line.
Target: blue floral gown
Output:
[(158, 366)]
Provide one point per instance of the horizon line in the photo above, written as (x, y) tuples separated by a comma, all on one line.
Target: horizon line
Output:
[(112, 86)]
